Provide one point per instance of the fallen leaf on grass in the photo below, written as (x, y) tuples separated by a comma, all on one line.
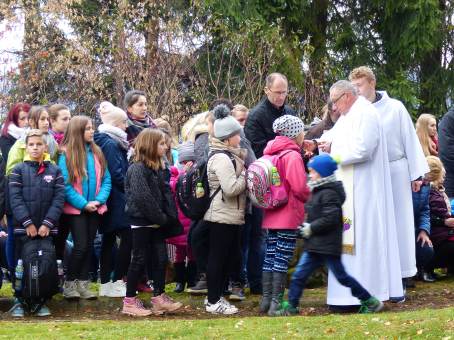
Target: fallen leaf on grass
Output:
[(419, 332), (330, 330)]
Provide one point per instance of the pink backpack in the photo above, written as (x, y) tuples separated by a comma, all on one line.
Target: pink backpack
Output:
[(265, 187)]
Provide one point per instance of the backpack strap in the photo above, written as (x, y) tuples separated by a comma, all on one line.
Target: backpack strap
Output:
[(232, 158)]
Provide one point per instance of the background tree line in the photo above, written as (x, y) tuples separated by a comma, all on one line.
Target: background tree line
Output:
[(186, 53)]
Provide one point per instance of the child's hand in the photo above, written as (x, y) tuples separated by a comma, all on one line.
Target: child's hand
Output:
[(305, 230), (43, 231), (31, 231), (91, 206), (449, 222), (424, 238)]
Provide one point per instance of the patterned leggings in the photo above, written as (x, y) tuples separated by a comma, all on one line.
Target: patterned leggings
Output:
[(280, 245)]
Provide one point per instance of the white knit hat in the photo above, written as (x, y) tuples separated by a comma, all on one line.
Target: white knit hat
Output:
[(289, 126), (110, 114)]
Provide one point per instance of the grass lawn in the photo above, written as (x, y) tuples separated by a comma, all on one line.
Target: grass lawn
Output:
[(429, 324)]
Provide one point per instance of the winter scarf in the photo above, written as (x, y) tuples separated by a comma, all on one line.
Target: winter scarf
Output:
[(321, 181), (116, 133), (15, 131)]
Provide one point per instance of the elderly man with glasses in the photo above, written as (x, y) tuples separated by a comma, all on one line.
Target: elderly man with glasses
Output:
[(370, 251)]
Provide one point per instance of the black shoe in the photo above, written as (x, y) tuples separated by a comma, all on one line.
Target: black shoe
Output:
[(179, 287), (428, 277), (410, 283)]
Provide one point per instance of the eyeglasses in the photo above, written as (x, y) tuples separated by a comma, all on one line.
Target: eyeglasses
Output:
[(332, 102), (278, 93)]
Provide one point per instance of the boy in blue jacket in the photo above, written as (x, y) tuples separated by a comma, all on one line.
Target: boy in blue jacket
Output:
[(36, 195)]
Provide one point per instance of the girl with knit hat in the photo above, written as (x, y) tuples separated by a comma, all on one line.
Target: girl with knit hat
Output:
[(225, 215), (282, 222), (184, 264), (112, 139)]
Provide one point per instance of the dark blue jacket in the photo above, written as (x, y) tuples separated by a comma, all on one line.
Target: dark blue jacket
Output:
[(446, 149), (36, 198), (117, 163), (421, 209)]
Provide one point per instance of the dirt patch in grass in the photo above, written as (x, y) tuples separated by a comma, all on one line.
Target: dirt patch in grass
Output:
[(426, 295)]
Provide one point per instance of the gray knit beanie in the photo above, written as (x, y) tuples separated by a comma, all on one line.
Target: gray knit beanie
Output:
[(288, 126), (225, 126), (186, 152)]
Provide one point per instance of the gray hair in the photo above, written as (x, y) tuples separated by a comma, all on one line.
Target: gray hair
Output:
[(272, 77), (344, 86)]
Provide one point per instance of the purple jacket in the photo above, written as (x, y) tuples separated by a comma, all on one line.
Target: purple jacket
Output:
[(438, 214)]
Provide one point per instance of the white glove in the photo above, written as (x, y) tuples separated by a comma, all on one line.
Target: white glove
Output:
[(305, 230)]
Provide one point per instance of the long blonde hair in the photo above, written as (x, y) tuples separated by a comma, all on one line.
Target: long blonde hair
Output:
[(422, 130), (74, 145), (436, 176), (146, 148)]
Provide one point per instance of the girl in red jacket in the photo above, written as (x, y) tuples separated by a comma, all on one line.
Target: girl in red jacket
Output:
[(282, 222)]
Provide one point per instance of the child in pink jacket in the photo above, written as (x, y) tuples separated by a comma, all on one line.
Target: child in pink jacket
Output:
[(185, 268), (282, 222)]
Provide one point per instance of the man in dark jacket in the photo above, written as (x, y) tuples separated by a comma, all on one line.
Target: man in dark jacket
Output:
[(323, 234), (259, 125), (446, 149)]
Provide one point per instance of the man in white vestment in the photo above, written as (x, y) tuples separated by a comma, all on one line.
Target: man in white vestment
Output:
[(358, 142), (406, 162)]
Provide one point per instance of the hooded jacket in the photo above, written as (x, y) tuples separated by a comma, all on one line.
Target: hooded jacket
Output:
[(291, 171), (324, 213), (228, 205)]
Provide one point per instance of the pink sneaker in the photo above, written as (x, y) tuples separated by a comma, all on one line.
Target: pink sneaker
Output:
[(133, 306), (163, 303)]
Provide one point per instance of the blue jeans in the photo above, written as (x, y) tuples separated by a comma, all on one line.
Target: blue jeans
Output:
[(308, 263), (253, 248), (424, 256)]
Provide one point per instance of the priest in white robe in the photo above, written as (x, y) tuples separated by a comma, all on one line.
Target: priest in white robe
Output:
[(406, 161), (358, 142)]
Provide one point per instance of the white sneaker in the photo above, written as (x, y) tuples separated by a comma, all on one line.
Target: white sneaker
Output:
[(105, 288), (118, 288), (113, 289), (221, 307)]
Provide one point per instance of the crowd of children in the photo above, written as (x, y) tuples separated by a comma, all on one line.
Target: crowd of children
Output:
[(66, 177)]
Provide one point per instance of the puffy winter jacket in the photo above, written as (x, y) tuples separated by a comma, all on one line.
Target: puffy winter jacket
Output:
[(291, 170), (324, 213), (228, 205), (36, 195)]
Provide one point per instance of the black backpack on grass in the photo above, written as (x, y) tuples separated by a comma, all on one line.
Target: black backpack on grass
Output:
[(193, 191), (40, 278)]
